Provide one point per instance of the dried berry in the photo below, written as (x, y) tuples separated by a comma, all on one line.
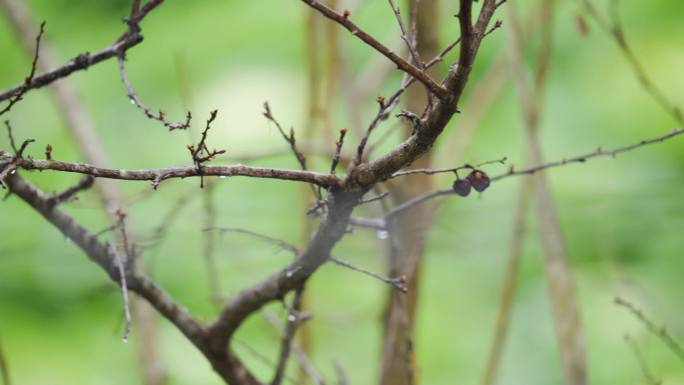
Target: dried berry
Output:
[(462, 187), (479, 180)]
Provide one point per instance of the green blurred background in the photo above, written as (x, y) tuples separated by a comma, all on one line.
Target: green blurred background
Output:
[(60, 318)]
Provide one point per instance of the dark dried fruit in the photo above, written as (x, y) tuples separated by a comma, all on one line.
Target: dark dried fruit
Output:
[(479, 180), (462, 187)]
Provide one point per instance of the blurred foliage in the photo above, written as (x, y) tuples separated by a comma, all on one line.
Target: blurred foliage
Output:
[(60, 318)]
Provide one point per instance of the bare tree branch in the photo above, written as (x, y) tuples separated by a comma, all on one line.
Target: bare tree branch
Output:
[(135, 100), (343, 20), (161, 174), (294, 318), (20, 94), (80, 62), (599, 152), (84, 184), (538, 168), (304, 361), (226, 364), (430, 171)]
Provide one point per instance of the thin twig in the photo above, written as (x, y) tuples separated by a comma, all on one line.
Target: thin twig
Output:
[(293, 321), (660, 332), (160, 174), (399, 283), (80, 62), (431, 171), (599, 152), (408, 39), (375, 198), (136, 101), (200, 152), (302, 359), (531, 170), (292, 141), (343, 20), (338, 150), (18, 152), (387, 105), (27, 82), (84, 184)]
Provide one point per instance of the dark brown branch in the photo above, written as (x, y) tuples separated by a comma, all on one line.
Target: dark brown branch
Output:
[(160, 174), (375, 198), (599, 152), (25, 87), (66, 195), (294, 319), (330, 230), (531, 170), (659, 332), (84, 60), (437, 118), (343, 20), (104, 255), (200, 152), (80, 62), (388, 104), (226, 364), (338, 150), (290, 139), (9, 166), (431, 171), (136, 101), (304, 361)]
